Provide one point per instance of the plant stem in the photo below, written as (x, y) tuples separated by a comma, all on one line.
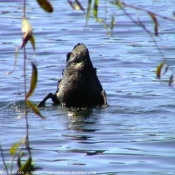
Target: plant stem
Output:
[(25, 107), (3, 160), (147, 11), (140, 24)]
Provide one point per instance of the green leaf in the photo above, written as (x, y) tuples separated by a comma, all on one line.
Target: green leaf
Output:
[(158, 70), (96, 9), (45, 5), (88, 11), (112, 23), (15, 147), (27, 32), (34, 109), (33, 81), (27, 167), (155, 23)]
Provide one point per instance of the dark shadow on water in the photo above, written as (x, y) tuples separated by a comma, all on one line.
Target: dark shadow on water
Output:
[(82, 124)]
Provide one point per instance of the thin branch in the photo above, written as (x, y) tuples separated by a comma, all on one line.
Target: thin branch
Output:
[(25, 90), (147, 11), (25, 107), (140, 24)]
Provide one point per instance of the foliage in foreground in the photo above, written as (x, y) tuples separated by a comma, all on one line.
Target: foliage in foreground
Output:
[(93, 6), (21, 149)]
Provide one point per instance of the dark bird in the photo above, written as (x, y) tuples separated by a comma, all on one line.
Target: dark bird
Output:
[(79, 86)]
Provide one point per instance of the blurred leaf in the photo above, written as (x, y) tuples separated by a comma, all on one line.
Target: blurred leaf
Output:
[(16, 56), (15, 147), (166, 69), (112, 23), (88, 11), (155, 23), (76, 5), (72, 4), (100, 20), (158, 70), (106, 26), (27, 32), (96, 9), (34, 109), (45, 5), (27, 167), (118, 3), (15, 63), (19, 162), (79, 4), (33, 81), (171, 80), (32, 41)]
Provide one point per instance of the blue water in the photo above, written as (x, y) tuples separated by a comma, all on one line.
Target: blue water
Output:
[(135, 134)]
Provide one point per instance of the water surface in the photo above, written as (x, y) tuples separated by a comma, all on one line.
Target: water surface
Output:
[(134, 134)]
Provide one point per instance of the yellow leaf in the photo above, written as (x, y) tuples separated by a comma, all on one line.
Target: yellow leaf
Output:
[(80, 7), (15, 146), (27, 32), (26, 168), (33, 81), (32, 41), (35, 109), (155, 23), (15, 63), (46, 5), (158, 70), (99, 20)]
